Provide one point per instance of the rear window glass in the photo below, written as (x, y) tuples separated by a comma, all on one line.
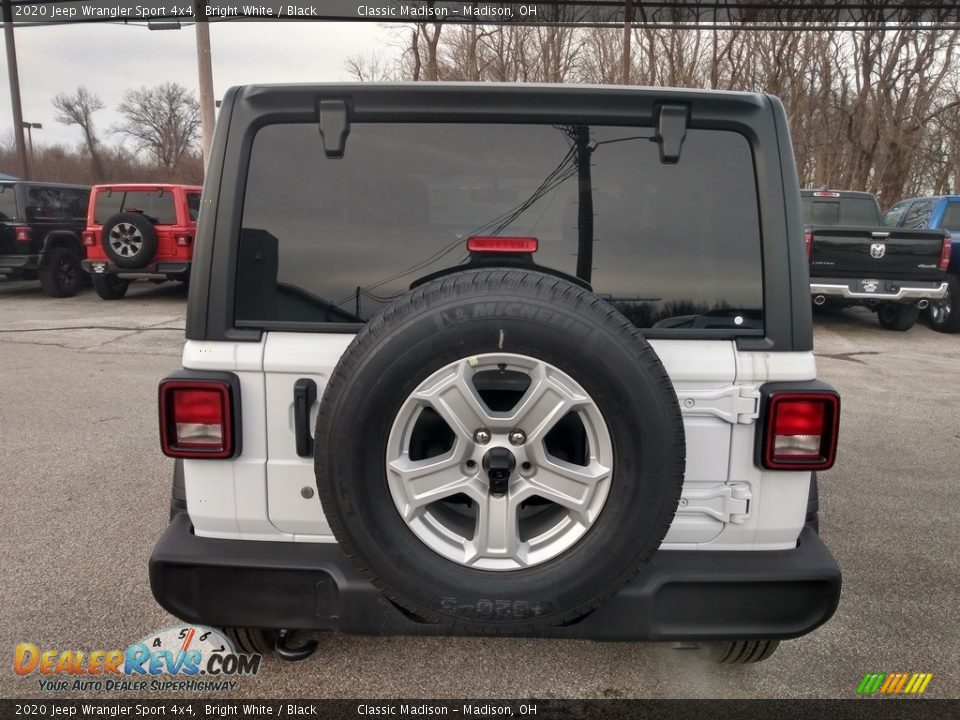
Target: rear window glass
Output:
[(855, 212), (193, 205), (894, 215), (53, 204), (157, 205), (918, 216), (335, 240), (8, 202), (951, 217)]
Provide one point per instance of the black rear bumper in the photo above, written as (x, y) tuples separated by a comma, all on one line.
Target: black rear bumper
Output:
[(19, 262), (697, 595)]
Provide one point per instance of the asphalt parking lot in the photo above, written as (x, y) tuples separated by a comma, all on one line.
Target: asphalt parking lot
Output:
[(85, 492)]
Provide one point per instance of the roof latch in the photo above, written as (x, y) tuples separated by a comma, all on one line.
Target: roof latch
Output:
[(671, 130), (334, 121)]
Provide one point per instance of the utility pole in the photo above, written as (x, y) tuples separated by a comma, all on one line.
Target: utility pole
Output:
[(627, 33), (205, 70), (14, 79)]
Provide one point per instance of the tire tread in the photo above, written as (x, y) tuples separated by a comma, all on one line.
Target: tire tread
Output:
[(550, 288)]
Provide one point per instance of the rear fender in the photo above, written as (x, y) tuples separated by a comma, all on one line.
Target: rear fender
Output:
[(62, 238)]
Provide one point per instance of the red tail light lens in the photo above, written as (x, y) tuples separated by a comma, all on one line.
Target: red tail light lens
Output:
[(808, 243), (24, 234), (945, 253), (801, 431), (196, 419), (826, 193), (88, 239), (479, 244)]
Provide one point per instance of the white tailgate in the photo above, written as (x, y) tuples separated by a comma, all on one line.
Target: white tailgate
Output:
[(272, 489)]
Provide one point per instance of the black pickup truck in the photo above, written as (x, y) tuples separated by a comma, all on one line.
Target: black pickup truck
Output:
[(856, 260)]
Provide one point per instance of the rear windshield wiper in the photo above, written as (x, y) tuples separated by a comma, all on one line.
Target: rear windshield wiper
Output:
[(726, 319)]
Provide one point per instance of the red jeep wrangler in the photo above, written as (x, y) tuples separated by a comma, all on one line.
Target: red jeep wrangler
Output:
[(139, 231)]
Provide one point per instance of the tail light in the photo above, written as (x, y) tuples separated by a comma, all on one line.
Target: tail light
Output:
[(88, 239), (184, 240), (478, 244), (24, 234), (945, 252), (197, 419), (827, 193), (800, 431), (808, 243)]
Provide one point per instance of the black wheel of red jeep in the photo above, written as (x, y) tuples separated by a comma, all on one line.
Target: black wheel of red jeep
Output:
[(60, 273), (897, 317), (741, 652), (109, 287), (499, 450), (129, 239), (944, 315)]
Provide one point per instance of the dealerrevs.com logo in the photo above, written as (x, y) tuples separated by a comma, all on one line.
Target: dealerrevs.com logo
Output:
[(179, 658)]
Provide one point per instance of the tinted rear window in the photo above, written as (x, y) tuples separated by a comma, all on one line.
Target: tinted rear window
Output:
[(193, 205), (53, 204), (855, 212), (918, 216), (335, 240), (8, 202), (155, 204)]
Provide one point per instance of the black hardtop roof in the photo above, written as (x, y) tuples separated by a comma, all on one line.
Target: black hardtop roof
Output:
[(486, 99), (429, 88)]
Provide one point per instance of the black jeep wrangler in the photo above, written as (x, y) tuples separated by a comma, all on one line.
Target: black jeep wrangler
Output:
[(41, 225)]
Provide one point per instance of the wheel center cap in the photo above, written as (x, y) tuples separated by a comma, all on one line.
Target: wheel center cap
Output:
[(498, 463)]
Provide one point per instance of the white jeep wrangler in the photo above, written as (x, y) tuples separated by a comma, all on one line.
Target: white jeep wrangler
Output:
[(517, 360)]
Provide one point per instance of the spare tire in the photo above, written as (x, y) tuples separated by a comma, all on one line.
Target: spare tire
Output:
[(499, 450), (129, 239)]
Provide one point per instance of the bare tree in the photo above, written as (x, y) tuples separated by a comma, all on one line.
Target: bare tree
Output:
[(163, 121), (869, 109), (372, 68), (430, 41), (78, 109)]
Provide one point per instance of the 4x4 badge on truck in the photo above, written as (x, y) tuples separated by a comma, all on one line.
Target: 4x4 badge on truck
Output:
[(878, 250)]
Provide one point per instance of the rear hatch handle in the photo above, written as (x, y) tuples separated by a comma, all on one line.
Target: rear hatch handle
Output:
[(304, 396)]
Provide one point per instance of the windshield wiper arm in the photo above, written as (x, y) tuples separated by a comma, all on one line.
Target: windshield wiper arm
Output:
[(732, 319)]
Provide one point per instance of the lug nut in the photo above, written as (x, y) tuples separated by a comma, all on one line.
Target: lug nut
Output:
[(517, 437), (481, 436)]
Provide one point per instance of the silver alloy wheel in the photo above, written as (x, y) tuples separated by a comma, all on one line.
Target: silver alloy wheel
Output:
[(448, 499), (125, 239)]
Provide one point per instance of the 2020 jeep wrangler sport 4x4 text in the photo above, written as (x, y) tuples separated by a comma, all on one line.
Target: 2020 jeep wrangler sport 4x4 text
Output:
[(519, 360)]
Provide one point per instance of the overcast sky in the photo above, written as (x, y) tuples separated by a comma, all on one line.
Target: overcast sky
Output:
[(111, 58)]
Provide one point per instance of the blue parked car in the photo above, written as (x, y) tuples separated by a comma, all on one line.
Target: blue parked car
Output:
[(936, 213)]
